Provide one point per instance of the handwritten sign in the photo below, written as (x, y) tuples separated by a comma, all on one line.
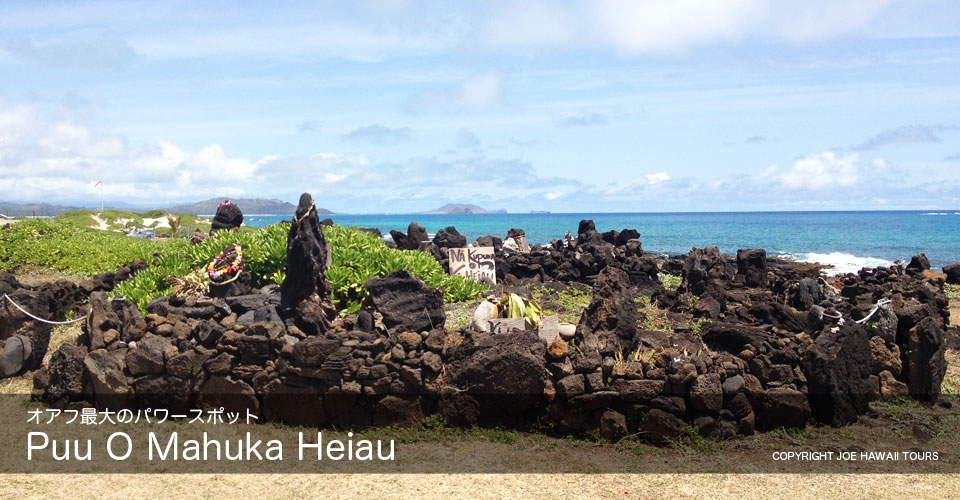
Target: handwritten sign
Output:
[(476, 263)]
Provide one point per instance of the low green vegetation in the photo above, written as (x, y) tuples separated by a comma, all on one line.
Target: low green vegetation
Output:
[(459, 314), (81, 251), (952, 291), (694, 444), (264, 254), (71, 248), (570, 302), (359, 256), (125, 221), (911, 419), (671, 281), (652, 317)]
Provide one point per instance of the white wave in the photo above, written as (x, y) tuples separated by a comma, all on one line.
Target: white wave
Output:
[(937, 213), (841, 262)]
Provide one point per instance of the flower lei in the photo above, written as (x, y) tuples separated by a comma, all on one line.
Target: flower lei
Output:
[(216, 271)]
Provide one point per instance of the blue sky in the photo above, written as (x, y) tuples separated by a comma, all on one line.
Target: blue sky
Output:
[(401, 106)]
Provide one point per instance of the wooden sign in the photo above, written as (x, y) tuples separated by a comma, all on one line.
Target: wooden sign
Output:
[(476, 263), (507, 325), (550, 329)]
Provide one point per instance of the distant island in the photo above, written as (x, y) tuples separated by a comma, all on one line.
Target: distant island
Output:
[(539, 211), (207, 207), (463, 208)]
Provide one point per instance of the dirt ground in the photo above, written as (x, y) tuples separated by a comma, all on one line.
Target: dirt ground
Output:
[(663, 486)]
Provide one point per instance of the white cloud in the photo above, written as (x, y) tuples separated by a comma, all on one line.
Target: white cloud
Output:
[(659, 26), (825, 170), (331, 178), (638, 186), (479, 92), (766, 173), (657, 178), (59, 160), (361, 32)]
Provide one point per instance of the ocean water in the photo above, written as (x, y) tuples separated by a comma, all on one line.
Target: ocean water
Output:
[(848, 240)]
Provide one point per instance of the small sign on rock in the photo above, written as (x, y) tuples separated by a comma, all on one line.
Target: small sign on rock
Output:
[(476, 263)]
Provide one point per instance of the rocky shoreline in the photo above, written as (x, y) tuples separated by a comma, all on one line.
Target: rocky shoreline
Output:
[(743, 344)]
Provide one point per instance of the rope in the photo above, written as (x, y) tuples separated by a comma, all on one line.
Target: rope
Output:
[(227, 282), (24, 311), (300, 219), (876, 308), (832, 316), (828, 285)]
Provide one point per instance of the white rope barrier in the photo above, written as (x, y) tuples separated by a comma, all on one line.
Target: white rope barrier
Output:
[(876, 308), (24, 311)]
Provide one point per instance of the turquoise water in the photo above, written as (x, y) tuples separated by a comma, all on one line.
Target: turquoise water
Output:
[(852, 239)]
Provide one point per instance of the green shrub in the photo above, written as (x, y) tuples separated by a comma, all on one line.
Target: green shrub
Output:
[(357, 257), (71, 248), (78, 250), (671, 281)]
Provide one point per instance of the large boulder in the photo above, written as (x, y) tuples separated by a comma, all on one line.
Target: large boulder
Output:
[(233, 396), (25, 350), (838, 368), (706, 393), (111, 387), (585, 226), (806, 294), (147, 356), (100, 320), (734, 337), (925, 366), (132, 325), (165, 392), (412, 239), (705, 271), (780, 407), (449, 237), (308, 256), (294, 405), (506, 372), (402, 412), (752, 265), (16, 353), (612, 308), (406, 303), (66, 369), (228, 217), (953, 273), (919, 262), (660, 426)]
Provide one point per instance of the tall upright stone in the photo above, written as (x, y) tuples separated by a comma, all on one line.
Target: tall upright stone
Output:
[(752, 265), (305, 295)]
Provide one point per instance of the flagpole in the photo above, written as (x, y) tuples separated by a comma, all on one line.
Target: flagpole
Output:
[(101, 196)]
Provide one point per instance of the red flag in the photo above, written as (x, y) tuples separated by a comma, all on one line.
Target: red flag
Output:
[(97, 184)]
